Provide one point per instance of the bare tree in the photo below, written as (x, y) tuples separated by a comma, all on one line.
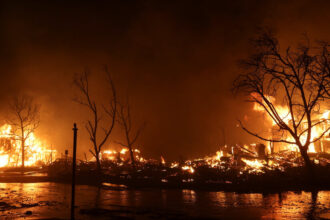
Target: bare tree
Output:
[(298, 79), (125, 120), (24, 119), (98, 134)]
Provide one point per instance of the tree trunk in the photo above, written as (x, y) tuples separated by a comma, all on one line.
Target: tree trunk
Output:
[(309, 167), (132, 156), (308, 162), (23, 143), (98, 163), (23, 152)]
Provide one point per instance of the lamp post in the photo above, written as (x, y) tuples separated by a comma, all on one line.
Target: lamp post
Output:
[(75, 129)]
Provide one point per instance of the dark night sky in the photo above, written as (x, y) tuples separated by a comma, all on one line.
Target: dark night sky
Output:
[(175, 59)]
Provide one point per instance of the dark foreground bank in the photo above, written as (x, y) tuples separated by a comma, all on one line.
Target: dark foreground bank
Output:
[(292, 179)]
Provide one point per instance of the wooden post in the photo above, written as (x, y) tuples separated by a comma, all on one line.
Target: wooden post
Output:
[(75, 129)]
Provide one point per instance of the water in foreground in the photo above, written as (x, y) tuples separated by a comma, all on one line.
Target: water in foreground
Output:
[(52, 200)]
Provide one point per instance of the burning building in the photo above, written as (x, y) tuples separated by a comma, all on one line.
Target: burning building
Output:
[(320, 122), (36, 153)]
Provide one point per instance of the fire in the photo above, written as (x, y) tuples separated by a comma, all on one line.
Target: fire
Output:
[(212, 161), (284, 114), (174, 165), (190, 169), (215, 160), (5, 131), (3, 160), (282, 111), (162, 160), (123, 151), (244, 159), (109, 154), (219, 155), (10, 153), (253, 163), (325, 115), (120, 155)]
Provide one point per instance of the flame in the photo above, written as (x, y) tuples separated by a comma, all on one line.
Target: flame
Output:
[(109, 154), (3, 160), (5, 131), (10, 153), (223, 159), (219, 155), (190, 169), (123, 150), (253, 163), (121, 155), (284, 114), (174, 165), (253, 166), (282, 111), (325, 115), (162, 160)]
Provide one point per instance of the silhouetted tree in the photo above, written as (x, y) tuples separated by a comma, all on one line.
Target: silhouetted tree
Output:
[(24, 119), (125, 121), (298, 79), (93, 126)]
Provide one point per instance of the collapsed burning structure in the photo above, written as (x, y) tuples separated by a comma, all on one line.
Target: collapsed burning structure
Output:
[(228, 167), (254, 158)]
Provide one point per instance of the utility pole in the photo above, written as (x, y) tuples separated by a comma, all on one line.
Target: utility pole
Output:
[(75, 129)]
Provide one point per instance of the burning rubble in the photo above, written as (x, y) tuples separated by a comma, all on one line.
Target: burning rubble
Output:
[(254, 158), (232, 163), (229, 162)]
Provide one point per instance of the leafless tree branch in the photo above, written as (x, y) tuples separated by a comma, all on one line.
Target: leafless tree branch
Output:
[(81, 82)]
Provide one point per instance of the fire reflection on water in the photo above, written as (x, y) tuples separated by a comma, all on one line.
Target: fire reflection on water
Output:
[(189, 196), (53, 200), (286, 205)]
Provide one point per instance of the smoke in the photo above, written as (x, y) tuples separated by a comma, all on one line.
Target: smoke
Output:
[(175, 60)]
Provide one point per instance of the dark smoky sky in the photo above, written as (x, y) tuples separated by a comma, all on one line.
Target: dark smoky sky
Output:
[(176, 61)]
